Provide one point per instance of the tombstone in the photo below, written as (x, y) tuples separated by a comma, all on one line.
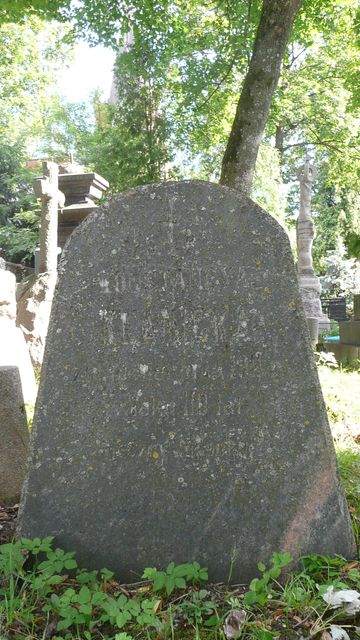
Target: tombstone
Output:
[(350, 329), (334, 308), (309, 282), (14, 436), (180, 415), (13, 348)]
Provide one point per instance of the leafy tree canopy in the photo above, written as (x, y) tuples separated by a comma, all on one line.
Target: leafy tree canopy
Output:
[(30, 57), (17, 10)]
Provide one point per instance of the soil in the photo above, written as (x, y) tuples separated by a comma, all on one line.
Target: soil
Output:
[(8, 517)]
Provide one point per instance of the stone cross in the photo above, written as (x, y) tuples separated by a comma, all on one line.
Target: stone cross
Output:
[(46, 189), (306, 174), (309, 282), (305, 226)]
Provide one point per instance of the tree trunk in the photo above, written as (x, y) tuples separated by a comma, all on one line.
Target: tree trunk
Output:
[(260, 82)]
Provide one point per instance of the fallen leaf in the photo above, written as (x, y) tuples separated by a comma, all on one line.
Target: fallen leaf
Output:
[(233, 622), (157, 606), (277, 614), (338, 633), (144, 589), (348, 599), (350, 565)]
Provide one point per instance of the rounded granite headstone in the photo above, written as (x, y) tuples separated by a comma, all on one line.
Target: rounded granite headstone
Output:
[(180, 415)]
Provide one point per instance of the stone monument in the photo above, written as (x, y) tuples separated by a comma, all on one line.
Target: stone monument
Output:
[(179, 400), (81, 190), (14, 436), (349, 346), (309, 283), (46, 189), (67, 196), (17, 382), (13, 349), (347, 350), (35, 294)]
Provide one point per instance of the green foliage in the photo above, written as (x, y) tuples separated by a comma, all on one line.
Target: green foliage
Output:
[(342, 276), (178, 84), (349, 467), (314, 112), (261, 588), (18, 10), (20, 237), (199, 609), (267, 188), (92, 605), (69, 127), (175, 576), (130, 143), (30, 57), (323, 568), (16, 193)]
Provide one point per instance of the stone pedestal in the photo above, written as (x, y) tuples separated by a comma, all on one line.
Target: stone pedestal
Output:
[(310, 289), (80, 190), (313, 326), (350, 332), (14, 353)]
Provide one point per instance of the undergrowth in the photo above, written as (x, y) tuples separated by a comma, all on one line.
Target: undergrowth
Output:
[(44, 594)]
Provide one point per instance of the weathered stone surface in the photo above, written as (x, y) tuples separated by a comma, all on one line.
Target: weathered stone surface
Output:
[(356, 306), (350, 332), (13, 349), (14, 436), (309, 283), (14, 353), (7, 294), (179, 414), (34, 300), (80, 189)]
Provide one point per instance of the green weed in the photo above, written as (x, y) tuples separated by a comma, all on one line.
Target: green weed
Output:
[(43, 594)]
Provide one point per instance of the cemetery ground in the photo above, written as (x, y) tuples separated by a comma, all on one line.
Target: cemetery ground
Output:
[(43, 594)]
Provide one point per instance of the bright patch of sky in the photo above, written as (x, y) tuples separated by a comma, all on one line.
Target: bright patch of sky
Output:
[(90, 70)]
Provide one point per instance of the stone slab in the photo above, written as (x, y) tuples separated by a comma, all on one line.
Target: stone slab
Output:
[(179, 414), (14, 436), (15, 353), (34, 302), (356, 306), (350, 332), (344, 353)]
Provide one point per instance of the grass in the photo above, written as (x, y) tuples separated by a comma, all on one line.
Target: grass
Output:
[(341, 390), (44, 595)]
